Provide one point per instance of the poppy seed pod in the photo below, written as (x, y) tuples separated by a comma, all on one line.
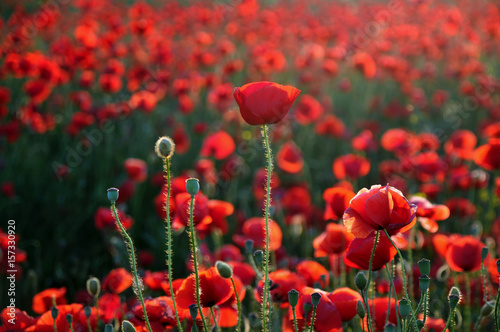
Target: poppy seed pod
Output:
[(424, 265), (165, 147), (193, 311), (127, 326), (484, 253), (113, 195), (87, 311), (192, 186), (293, 297), (390, 327), (54, 312), (360, 309), (93, 286), (404, 308), (225, 270), (423, 282), (315, 298), (307, 308), (69, 318), (249, 246), (258, 257), (108, 328), (360, 281)]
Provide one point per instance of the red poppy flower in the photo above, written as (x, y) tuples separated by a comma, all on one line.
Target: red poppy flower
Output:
[(143, 100), (350, 166), (137, 169), (243, 271), (359, 252), (337, 201), (201, 211), (176, 284), (21, 322), (265, 102), (364, 63), (364, 141), (381, 305), (433, 324), (297, 200), (218, 211), (461, 207), (308, 110), (289, 158), (110, 307), (428, 165), (220, 145), (334, 240), (327, 318), (283, 281), (228, 311), (117, 281), (400, 141), (43, 300), (153, 280), (379, 208), (488, 156), (461, 144), (313, 272), (491, 266), (159, 310), (428, 213), (346, 301), (104, 218), (228, 252), (214, 289), (330, 126), (46, 323), (464, 254), (254, 229)]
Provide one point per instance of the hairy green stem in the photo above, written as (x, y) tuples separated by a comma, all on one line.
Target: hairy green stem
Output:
[(195, 264), (312, 319), (468, 304), (265, 295), (134, 265), (370, 326), (215, 319), (238, 327), (294, 319), (495, 312), (166, 168)]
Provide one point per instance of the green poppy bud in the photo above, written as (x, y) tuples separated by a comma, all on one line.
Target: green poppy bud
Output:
[(404, 308), (128, 326), (258, 257), (360, 281), (424, 282), (249, 246), (54, 312), (164, 147), (484, 253), (224, 269), (360, 309), (69, 318), (192, 186), (113, 195)]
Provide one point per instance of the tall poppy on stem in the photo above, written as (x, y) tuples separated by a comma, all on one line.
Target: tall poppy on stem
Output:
[(113, 197), (165, 148), (263, 103)]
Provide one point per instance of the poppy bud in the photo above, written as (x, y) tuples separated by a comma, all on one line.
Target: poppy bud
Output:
[(424, 265), (193, 311), (192, 186), (224, 270), (487, 308), (404, 308), (423, 282), (360, 281), (164, 147), (127, 326), (315, 298), (87, 311), (113, 195), (420, 324), (93, 286), (54, 312), (249, 246), (484, 253), (360, 309), (258, 257), (454, 297), (390, 328), (293, 298), (69, 318), (108, 328)]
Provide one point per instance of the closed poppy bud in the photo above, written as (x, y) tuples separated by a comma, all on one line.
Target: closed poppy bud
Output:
[(360, 308), (193, 311), (113, 195), (265, 102), (390, 328), (424, 265), (249, 246), (454, 297), (192, 186), (87, 311), (360, 281), (127, 326), (484, 253), (315, 298), (258, 257), (404, 308), (69, 318), (108, 328), (93, 286), (54, 312), (423, 283), (224, 270), (293, 298), (164, 147)]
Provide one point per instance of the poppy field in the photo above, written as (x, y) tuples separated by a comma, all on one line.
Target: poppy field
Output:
[(272, 165)]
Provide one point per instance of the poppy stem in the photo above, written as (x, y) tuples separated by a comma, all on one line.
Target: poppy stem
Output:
[(215, 320), (365, 297), (294, 319), (312, 319), (403, 270), (88, 324), (484, 282), (422, 300), (238, 304), (195, 263), (495, 312), (137, 282), (450, 320), (468, 311), (391, 283), (269, 158), (425, 305), (166, 169)]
